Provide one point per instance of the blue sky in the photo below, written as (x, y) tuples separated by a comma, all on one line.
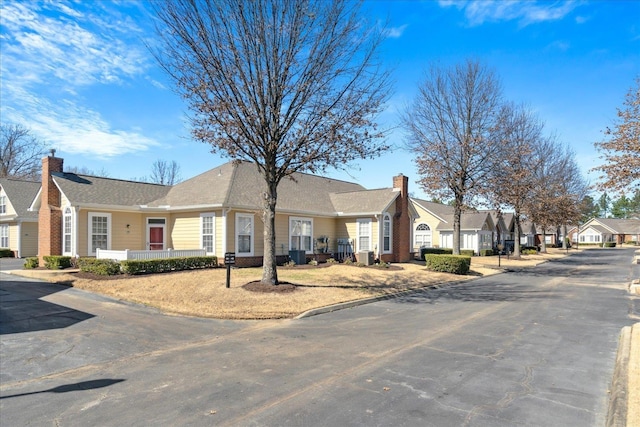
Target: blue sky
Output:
[(79, 75)]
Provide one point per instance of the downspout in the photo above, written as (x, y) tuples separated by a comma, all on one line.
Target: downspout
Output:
[(380, 244), (225, 211), (74, 231), (19, 251)]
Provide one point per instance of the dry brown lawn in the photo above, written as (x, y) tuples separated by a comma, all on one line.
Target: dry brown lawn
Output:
[(203, 293)]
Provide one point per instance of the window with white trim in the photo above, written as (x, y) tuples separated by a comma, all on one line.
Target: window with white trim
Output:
[(364, 234), (422, 236), (66, 232), (300, 232), (386, 234), (244, 234), (99, 231), (3, 204), (4, 236), (207, 232)]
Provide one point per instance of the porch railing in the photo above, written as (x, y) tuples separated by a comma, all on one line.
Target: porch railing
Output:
[(143, 255)]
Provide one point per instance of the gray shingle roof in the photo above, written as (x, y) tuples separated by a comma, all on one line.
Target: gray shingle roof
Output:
[(241, 186), (438, 209), (20, 194), (621, 226), (91, 190), (468, 221), (369, 201)]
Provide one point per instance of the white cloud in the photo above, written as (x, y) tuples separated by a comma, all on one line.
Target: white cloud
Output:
[(396, 32), (525, 12), (53, 50)]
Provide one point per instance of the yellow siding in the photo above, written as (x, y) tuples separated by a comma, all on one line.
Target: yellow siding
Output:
[(122, 238), (9, 207), (13, 236), (29, 239), (425, 217), (82, 237), (282, 234), (185, 231)]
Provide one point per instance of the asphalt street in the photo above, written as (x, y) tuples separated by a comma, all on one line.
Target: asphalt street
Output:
[(535, 347)]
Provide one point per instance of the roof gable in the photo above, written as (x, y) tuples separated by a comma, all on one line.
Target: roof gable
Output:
[(20, 194)]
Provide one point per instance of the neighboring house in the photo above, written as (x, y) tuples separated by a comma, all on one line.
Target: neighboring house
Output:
[(220, 211), (549, 235), (527, 232), (600, 230), (18, 226), (433, 227), (429, 216), (477, 231)]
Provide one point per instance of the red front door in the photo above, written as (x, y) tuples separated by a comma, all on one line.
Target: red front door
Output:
[(156, 238)]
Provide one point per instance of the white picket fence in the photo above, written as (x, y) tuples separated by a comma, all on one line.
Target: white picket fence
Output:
[(142, 255)]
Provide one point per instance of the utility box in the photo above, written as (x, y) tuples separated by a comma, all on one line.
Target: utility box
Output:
[(299, 257), (365, 257)]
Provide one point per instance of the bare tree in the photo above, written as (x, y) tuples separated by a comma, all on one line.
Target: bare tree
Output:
[(165, 172), (289, 85), (20, 152), (513, 178), (83, 170), (621, 151), (449, 128)]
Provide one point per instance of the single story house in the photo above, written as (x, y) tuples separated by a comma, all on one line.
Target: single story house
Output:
[(220, 211), (601, 230), (433, 227), (18, 225)]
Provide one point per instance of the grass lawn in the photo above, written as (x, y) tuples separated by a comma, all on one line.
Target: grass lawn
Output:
[(203, 293)]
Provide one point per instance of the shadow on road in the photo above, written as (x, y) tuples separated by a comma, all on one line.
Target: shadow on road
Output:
[(23, 310), (83, 385)]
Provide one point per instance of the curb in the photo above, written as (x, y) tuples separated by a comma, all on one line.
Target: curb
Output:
[(351, 304), (617, 411)]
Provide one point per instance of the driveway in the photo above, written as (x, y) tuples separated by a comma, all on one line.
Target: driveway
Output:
[(11, 264), (532, 348)]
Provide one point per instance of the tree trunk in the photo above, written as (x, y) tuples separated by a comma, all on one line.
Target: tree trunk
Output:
[(457, 216), (564, 236), (269, 272), (516, 235)]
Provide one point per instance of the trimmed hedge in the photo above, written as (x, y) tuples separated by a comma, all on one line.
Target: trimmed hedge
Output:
[(437, 251), (101, 267), (56, 262), (467, 252), (486, 252), (456, 264), (31, 263), (529, 252), (609, 245), (6, 253), (167, 264)]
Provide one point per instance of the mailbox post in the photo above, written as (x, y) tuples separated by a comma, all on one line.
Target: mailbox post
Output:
[(229, 260)]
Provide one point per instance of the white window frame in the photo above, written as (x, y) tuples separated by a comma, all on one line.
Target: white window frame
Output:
[(207, 215), (251, 235), (420, 233), (387, 227), (3, 204), (4, 236), (366, 222), (92, 215), (292, 221), (67, 215)]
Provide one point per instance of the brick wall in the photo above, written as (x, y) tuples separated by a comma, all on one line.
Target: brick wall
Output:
[(402, 221), (50, 215)]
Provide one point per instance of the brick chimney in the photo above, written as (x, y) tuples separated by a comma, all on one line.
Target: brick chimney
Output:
[(402, 221), (50, 214)]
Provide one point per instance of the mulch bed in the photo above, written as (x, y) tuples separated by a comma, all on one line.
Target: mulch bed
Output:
[(258, 286)]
